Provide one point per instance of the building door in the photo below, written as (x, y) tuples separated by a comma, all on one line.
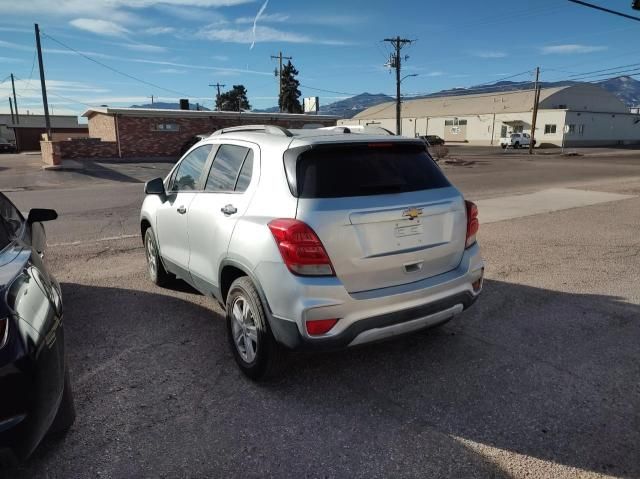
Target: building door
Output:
[(503, 131), (455, 130)]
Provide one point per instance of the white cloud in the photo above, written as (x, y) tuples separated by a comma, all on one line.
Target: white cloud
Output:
[(159, 30), (144, 47), (100, 27), (571, 48), (435, 74), (262, 35), (173, 71), (489, 54), (266, 18)]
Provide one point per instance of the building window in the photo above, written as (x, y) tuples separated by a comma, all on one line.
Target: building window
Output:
[(581, 129), (448, 123), (549, 129), (572, 129), (167, 127)]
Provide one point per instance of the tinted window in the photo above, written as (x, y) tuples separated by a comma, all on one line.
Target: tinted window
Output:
[(10, 222), (190, 169), (374, 169), (245, 173), (225, 169)]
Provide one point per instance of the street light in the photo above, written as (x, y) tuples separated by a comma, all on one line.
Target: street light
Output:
[(398, 111)]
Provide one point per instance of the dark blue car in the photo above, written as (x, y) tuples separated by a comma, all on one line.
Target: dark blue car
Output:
[(35, 393)]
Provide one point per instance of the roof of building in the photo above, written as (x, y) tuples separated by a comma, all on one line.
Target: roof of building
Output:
[(152, 112), (580, 97)]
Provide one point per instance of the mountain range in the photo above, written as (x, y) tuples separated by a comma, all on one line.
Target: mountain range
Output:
[(626, 88)]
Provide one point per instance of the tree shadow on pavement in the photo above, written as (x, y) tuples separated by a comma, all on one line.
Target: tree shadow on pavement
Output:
[(543, 374)]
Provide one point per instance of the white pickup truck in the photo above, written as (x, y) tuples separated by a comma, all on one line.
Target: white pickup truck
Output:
[(516, 140)]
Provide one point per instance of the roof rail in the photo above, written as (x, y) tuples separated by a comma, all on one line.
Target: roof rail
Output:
[(269, 129)]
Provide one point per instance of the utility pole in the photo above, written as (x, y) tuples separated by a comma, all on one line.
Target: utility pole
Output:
[(15, 101), (396, 62), (43, 85), (152, 97), (279, 73), (218, 86), (536, 100), (13, 120)]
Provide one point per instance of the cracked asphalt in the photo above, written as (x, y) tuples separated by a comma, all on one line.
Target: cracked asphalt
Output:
[(538, 379)]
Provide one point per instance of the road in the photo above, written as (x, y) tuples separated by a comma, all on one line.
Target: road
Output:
[(538, 379)]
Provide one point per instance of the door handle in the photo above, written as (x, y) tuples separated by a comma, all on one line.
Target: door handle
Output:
[(229, 210), (182, 210)]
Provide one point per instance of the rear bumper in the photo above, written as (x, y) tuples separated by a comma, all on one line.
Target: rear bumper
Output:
[(367, 316)]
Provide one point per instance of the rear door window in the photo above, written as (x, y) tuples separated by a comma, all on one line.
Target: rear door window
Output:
[(362, 170), (229, 168)]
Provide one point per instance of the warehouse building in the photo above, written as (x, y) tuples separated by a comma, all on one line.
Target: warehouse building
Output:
[(576, 115)]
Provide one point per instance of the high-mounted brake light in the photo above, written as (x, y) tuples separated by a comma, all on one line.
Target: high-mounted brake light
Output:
[(301, 248), (317, 327), (473, 225)]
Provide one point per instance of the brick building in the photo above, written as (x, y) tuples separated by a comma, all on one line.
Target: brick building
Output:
[(140, 132)]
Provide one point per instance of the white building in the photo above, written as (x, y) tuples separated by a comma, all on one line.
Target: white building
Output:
[(578, 115)]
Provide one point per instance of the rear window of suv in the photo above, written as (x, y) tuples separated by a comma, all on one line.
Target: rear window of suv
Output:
[(364, 170)]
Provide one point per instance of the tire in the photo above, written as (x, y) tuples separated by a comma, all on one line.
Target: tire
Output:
[(159, 276), (504, 147), (516, 145), (66, 414), (254, 348)]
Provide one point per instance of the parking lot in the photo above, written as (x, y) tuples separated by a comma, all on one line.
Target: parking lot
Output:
[(538, 379)]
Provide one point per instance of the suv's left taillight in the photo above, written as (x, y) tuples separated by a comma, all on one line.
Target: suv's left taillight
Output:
[(300, 247), (4, 331), (473, 225)]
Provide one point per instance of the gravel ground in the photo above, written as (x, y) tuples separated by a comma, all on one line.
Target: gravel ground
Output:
[(538, 379)]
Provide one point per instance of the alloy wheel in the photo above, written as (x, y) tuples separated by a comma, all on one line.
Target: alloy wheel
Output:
[(245, 332)]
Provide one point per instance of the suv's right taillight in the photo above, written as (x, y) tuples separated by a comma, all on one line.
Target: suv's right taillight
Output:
[(301, 249), (472, 222)]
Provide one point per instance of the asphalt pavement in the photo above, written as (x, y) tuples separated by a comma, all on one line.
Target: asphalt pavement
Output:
[(538, 379)]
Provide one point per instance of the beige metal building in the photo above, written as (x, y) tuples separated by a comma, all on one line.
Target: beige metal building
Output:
[(577, 115)]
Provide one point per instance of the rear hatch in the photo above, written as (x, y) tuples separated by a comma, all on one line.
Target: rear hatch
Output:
[(384, 212)]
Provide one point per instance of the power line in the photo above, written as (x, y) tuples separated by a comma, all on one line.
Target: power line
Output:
[(115, 70), (603, 9), (329, 91)]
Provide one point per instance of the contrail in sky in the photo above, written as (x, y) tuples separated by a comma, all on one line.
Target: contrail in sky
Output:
[(255, 22)]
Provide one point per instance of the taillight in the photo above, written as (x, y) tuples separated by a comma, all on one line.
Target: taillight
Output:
[(4, 331), (472, 222), (301, 248), (317, 327)]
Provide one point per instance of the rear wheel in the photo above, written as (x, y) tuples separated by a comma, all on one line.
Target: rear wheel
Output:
[(504, 147), (157, 273), (516, 145), (254, 348)]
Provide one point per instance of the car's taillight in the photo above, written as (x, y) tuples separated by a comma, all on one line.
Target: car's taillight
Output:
[(316, 327), (4, 331), (472, 222), (301, 248)]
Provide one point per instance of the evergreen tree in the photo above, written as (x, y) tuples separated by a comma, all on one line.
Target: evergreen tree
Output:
[(289, 96), (233, 100)]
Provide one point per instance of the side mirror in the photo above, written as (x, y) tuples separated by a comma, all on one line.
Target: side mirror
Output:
[(154, 187), (37, 215)]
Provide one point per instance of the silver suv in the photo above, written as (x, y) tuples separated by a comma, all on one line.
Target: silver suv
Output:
[(313, 239)]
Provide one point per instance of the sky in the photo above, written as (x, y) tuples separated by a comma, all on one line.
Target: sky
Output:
[(120, 52)]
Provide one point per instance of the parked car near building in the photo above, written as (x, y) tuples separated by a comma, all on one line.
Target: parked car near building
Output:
[(516, 140), (35, 392), (433, 140), (6, 146), (313, 239)]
